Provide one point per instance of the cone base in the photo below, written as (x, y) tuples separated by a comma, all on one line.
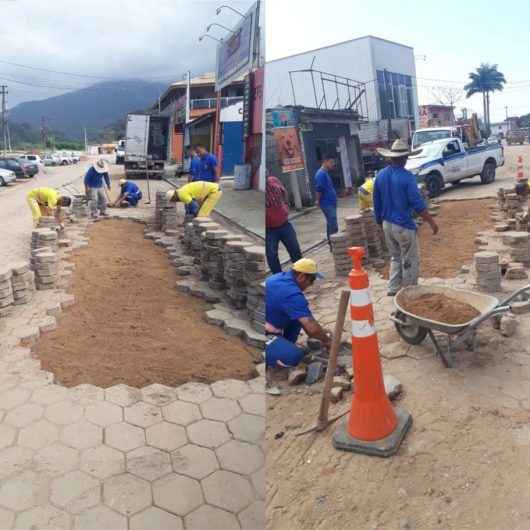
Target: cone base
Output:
[(387, 446)]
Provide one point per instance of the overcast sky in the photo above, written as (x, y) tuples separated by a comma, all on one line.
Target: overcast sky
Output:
[(146, 39), (454, 36)]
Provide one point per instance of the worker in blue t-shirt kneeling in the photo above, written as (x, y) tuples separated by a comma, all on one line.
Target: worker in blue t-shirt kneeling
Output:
[(130, 194)]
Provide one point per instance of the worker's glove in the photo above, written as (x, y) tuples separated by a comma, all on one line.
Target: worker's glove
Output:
[(192, 208)]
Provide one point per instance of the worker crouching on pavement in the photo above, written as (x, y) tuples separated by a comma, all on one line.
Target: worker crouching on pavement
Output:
[(47, 201), (130, 194), (287, 312), (198, 197)]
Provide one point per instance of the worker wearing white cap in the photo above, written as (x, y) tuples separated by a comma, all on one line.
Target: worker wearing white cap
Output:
[(130, 194), (199, 197)]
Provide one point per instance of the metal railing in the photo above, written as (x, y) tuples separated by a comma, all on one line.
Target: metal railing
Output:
[(211, 103)]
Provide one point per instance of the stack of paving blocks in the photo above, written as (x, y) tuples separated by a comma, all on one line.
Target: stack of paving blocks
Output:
[(168, 218), (522, 221), (200, 225), (23, 283), (518, 244), (375, 246), (487, 271), (213, 257), (355, 231), (45, 265), (44, 237), (510, 203), (6, 292), (187, 238), (161, 202), (80, 207), (47, 221), (255, 272), (234, 273), (340, 243)]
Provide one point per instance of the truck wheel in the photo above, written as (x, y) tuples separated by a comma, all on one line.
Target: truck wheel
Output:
[(434, 185), (488, 173)]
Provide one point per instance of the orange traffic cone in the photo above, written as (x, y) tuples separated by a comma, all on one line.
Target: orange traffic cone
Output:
[(373, 426), (520, 173)]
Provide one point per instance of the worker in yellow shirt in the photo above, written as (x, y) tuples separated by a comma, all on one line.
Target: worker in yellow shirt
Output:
[(46, 201), (199, 197), (366, 193)]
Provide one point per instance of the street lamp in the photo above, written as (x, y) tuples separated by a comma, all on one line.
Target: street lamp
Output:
[(219, 9), (201, 38), (220, 25)]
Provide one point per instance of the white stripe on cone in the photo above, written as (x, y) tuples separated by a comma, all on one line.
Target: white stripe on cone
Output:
[(362, 328), (360, 297)]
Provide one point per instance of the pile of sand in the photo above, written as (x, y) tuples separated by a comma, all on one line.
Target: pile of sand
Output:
[(440, 308)]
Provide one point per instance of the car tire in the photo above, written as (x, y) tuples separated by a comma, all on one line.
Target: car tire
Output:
[(2, 182), (434, 184), (64, 163), (488, 173)]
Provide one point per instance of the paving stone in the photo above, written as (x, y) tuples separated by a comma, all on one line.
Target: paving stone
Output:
[(85, 394), (247, 427), (103, 461), (194, 461), (227, 490), (14, 459), (75, 492), (230, 388), (43, 518), (253, 404), (49, 394), (24, 491), (220, 409), (14, 397), (64, 412), (177, 494), (194, 392), (240, 457), (7, 518), (166, 436), (127, 494), (253, 517), (211, 518), (7, 435), (123, 395), (155, 518), (182, 412), (256, 385), (100, 518), (258, 481), (104, 413), (56, 459), (124, 436), (142, 414), (160, 395), (208, 433), (82, 435), (148, 463), (24, 415), (38, 434)]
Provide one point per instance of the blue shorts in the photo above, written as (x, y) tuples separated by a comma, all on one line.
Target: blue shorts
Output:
[(280, 349)]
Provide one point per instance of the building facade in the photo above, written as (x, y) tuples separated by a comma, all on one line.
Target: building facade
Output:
[(436, 116)]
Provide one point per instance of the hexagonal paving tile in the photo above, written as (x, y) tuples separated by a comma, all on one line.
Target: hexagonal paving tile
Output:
[(14, 459), (124, 436), (142, 414), (253, 517), (49, 394), (14, 397), (258, 481), (167, 436), (177, 494), (104, 413), (82, 435), (194, 392), (24, 415), (38, 435), (24, 491), (123, 395), (75, 492), (220, 409), (208, 433), (103, 461), (148, 463), (230, 388), (241, 457), (56, 459), (228, 491), (156, 394), (212, 518), (257, 385), (182, 412), (7, 435), (247, 427), (64, 412), (6, 518), (86, 394), (155, 518), (100, 518), (127, 494), (253, 404), (45, 517), (194, 461)]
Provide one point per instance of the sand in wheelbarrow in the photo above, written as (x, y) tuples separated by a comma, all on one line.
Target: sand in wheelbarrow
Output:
[(440, 308)]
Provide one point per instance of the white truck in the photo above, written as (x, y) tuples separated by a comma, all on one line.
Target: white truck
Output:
[(120, 152), (448, 161)]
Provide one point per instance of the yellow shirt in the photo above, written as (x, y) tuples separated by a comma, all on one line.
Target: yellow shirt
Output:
[(196, 190), (45, 196), (366, 192)]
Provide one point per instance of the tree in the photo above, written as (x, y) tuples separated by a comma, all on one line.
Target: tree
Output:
[(484, 80)]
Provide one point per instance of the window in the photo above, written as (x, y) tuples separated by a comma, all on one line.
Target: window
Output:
[(395, 94)]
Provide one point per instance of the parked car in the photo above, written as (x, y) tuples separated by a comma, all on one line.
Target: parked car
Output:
[(50, 160), (75, 157), (7, 176), (64, 159), (13, 165), (515, 136), (36, 159), (30, 168)]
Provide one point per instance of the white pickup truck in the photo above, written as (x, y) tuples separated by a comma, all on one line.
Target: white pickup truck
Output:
[(447, 160)]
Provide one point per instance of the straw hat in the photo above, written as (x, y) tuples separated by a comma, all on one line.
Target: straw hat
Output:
[(100, 166), (399, 149)]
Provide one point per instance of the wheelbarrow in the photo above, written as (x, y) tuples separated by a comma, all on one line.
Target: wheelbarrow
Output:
[(413, 329)]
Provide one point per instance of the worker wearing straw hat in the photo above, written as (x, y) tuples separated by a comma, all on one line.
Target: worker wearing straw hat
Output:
[(130, 194), (396, 198), (199, 197), (95, 178)]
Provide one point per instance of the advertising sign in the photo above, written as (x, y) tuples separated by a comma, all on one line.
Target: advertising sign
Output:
[(288, 149), (283, 118)]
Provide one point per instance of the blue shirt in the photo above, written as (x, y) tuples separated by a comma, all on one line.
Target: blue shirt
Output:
[(207, 165), (195, 167), (93, 179), (130, 188), (396, 197), (285, 302), (324, 185)]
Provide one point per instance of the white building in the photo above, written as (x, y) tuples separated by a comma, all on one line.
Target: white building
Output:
[(386, 68)]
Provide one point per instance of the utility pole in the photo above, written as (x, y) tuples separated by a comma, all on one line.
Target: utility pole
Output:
[(3, 91), (86, 143)]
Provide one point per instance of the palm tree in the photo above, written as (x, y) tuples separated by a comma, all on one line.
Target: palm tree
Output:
[(484, 80)]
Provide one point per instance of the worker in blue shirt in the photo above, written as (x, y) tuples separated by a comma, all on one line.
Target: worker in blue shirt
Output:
[(195, 164), (95, 178), (396, 198), (207, 164), (130, 194), (326, 196), (287, 312)]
